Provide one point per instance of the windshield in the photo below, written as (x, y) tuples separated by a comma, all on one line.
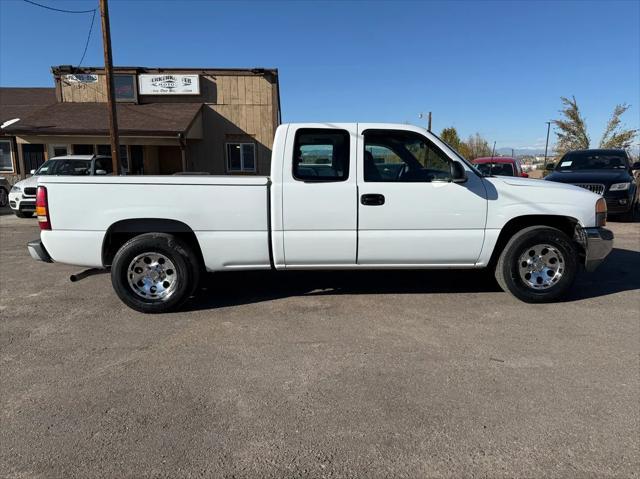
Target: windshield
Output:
[(498, 169), (592, 160), (471, 165), (65, 168)]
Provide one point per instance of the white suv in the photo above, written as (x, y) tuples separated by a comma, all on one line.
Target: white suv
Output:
[(22, 197)]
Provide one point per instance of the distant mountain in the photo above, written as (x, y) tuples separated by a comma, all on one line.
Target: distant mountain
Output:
[(524, 151)]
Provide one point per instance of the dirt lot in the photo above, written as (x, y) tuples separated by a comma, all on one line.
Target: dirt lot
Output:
[(403, 374)]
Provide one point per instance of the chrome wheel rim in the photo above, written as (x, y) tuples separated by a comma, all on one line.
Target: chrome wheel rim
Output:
[(541, 266), (152, 276)]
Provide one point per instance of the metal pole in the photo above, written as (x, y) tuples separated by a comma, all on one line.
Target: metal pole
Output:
[(546, 146), (429, 127), (111, 100)]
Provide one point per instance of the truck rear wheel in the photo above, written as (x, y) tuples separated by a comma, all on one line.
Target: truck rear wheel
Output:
[(154, 273), (538, 264)]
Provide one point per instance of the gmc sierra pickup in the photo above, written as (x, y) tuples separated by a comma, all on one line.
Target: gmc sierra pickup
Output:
[(340, 196)]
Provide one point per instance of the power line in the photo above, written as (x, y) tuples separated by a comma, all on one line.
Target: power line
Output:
[(86, 45), (59, 9), (93, 18)]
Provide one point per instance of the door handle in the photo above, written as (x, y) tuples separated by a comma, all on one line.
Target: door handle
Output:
[(372, 199)]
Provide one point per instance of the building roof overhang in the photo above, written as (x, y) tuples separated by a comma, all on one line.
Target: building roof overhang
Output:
[(92, 119)]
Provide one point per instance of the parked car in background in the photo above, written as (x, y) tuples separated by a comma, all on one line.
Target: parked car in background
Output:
[(500, 166), (4, 191), (340, 196), (605, 172), (22, 197)]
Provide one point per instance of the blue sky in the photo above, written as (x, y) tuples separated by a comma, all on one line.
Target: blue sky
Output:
[(497, 68)]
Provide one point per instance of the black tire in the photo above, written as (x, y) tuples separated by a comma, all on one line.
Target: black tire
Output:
[(186, 274), (508, 266), (24, 214), (4, 197)]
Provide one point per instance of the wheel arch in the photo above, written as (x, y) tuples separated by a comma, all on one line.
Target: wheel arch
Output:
[(566, 224), (122, 231)]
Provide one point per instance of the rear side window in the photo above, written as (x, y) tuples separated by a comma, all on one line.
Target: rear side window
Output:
[(321, 155)]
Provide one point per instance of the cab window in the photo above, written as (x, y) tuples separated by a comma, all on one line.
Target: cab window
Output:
[(321, 155), (403, 156)]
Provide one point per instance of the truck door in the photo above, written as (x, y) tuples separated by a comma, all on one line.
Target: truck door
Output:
[(319, 196), (410, 213)]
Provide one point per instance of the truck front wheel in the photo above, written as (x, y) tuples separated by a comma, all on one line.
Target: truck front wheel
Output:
[(154, 273), (538, 264)]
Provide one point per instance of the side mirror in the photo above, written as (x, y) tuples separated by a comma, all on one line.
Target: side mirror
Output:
[(550, 166), (32, 172), (101, 172), (636, 166), (458, 173)]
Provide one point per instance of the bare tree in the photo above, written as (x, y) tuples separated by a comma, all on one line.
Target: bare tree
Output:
[(572, 134), (475, 147), (614, 136)]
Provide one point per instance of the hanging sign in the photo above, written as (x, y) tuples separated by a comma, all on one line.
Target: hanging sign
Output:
[(168, 84)]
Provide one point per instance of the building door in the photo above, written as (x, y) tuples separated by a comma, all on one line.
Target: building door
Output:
[(136, 163), (170, 160), (33, 155), (410, 212)]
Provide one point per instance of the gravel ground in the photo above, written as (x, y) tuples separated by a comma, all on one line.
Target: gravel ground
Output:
[(376, 374)]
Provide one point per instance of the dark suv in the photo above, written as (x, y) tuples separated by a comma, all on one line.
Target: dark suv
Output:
[(606, 172)]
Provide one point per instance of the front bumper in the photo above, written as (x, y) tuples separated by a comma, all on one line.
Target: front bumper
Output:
[(619, 202), (38, 251), (597, 244), (17, 202)]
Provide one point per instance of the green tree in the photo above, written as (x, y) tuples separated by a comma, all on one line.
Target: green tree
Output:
[(572, 129), (450, 136)]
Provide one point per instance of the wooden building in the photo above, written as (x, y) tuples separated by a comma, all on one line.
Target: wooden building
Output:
[(219, 121)]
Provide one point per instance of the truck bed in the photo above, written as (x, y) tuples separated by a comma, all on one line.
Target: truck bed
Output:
[(228, 214)]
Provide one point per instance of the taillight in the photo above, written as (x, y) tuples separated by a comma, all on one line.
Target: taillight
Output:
[(42, 208)]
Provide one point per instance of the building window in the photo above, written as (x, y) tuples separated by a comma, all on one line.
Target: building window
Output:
[(241, 157), (6, 160), (103, 150), (58, 150), (83, 149), (125, 86)]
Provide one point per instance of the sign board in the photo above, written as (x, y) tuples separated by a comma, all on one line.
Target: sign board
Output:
[(168, 84), (81, 78)]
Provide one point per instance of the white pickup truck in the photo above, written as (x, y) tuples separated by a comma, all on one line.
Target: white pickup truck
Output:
[(340, 196)]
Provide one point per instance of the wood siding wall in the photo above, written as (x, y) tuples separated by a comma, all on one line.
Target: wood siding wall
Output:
[(237, 107), (84, 92)]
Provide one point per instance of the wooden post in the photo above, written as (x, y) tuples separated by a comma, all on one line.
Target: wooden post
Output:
[(111, 100), (21, 165)]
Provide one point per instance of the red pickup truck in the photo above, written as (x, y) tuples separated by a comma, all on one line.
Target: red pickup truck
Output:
[(500, 166)]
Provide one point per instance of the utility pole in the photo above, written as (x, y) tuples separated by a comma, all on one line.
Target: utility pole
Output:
[(513, 155), (429, 127), (546, 146), (111, 100)]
